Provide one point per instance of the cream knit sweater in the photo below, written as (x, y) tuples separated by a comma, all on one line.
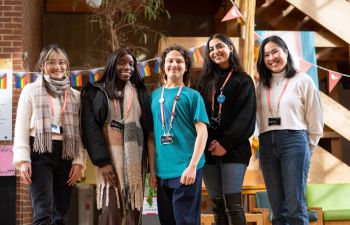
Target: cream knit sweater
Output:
[(24, 127), (300, 106)]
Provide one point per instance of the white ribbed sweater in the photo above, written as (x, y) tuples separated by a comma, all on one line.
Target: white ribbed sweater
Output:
[(300, 106)]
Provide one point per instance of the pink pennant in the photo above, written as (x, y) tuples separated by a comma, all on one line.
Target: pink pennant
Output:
[(304, 66), (333, 79), (232, 14)]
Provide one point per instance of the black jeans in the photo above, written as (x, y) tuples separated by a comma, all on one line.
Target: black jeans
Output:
[(49, 191)]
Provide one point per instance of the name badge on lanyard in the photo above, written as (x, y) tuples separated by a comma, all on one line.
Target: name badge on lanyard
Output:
[(119, 125), (167, 138), (56, 129), (275, 120)]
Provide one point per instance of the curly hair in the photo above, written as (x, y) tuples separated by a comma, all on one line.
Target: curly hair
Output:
[(185, 55)]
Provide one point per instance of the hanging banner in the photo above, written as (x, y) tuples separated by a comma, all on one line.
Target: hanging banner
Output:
[(6, 156), (6, 100)]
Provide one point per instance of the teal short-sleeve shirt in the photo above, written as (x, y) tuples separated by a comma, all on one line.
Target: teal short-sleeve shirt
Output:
[(171, 160)]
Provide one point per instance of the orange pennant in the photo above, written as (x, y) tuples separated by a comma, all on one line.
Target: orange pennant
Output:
[(232, 14), (333, 79)]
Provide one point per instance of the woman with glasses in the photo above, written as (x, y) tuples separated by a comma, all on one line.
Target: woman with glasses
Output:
[(47, 144)]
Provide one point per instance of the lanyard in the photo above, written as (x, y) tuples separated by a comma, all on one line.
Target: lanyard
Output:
[(221, 96), (63, 106), (115, 104), (161, 101), (279, 98)]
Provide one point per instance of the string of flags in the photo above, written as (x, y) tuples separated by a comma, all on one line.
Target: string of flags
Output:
[(148, 68)]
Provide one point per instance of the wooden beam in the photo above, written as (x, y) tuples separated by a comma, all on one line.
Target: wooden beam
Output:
[(336, 116), (326, 168), (333, 15)]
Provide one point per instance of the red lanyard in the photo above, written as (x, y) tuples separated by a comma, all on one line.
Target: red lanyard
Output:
[(115, 104), (279, 98), (63, 106), (221, 91), (161, 101)]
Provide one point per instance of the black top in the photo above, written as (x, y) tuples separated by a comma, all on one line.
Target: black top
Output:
[(238, 117), (93, 116)]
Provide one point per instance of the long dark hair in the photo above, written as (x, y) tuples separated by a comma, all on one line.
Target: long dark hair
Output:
[(211, 71), (264, 72), (110, 77), (187, 58)]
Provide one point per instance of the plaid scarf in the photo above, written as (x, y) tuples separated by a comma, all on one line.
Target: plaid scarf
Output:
[(126, 152), (43, 136)]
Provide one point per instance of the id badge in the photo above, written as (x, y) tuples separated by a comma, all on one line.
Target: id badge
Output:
[(117, 125), (274, 121), (166, 139), (55, 128)]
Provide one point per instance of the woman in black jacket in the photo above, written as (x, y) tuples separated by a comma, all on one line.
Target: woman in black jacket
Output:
[(114, 131), (229, 95)]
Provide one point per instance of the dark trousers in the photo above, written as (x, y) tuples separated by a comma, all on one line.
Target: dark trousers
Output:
[(179, 204), (49, 191)]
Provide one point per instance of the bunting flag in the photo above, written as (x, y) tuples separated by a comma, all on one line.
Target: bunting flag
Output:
[(3, 80), (157, 66), (195, 54), (144, 69), (232, 14), (76, 78), (304, 66), (22, 79), (333, 79), (34, 76), (94, 75)]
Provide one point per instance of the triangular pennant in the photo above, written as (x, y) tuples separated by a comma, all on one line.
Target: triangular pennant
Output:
[(156, 68), (256, 36), (304, 66), (333, 79), (34, 76), (76, 77), (21, 79), (3, 80), (94, 74), (232, 14), (196, 56), (140, 67)]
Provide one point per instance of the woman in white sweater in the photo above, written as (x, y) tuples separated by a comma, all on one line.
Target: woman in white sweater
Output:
[(290, 123), (47, 145)]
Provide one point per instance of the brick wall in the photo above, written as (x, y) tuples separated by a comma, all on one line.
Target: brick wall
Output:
[(20, 31)]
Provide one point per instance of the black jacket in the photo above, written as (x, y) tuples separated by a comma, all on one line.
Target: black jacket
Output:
[(238, 117), (93, 116)]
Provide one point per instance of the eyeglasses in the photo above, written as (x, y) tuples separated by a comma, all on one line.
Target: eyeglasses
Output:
[(54, 63)]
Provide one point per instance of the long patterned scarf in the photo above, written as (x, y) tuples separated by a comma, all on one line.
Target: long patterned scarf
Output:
[(43, 136), (126, 152)]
